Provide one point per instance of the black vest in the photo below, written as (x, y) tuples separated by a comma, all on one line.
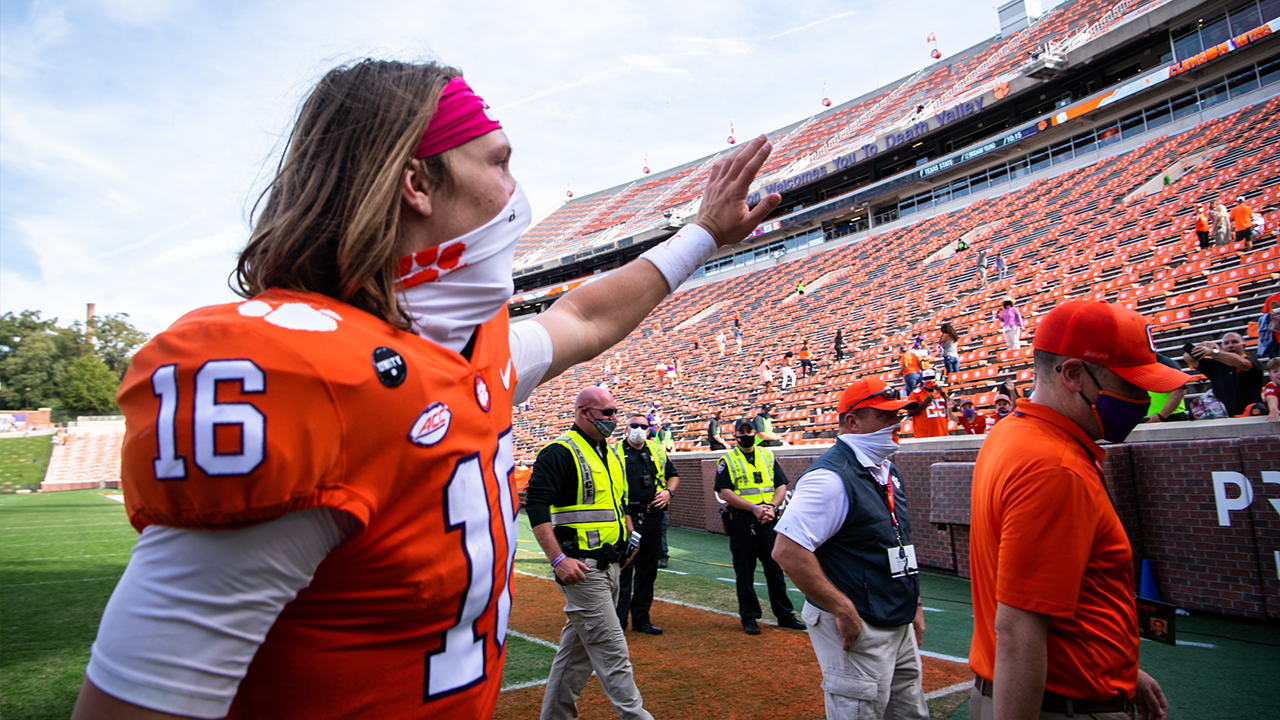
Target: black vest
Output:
[(855, 559)]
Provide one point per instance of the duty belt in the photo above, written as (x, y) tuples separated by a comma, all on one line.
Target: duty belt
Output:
[(1063, 705)]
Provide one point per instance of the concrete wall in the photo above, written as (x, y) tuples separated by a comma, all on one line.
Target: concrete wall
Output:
[(1200, 500)]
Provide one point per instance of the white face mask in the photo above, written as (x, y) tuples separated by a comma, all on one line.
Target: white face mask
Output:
[(875, 447), (451, 288), (637, 435)]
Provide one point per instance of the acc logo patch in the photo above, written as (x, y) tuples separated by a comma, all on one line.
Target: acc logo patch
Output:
[(389, 366), (432, 425), (482, 394)]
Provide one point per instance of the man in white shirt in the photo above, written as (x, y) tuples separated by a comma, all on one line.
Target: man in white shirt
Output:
[(845, 541)]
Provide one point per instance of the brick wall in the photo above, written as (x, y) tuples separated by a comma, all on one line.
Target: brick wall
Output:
[(1162, 486)]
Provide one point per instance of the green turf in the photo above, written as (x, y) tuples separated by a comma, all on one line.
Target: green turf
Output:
[(23, 462), (60, 556), (527, 662)]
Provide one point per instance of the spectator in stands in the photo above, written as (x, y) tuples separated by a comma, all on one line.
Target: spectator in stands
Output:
[(654, 417), (1011, 323), (1242, 222), (1202, 228), (838, 344), (1001, 266), (1236, 377), (1271, 391), (720, 341), (929, 418), (806, 359), (765, 372), (950, 350), (751, 482), (909, 363), (1221, 225), (1168, 407), (787, 372), (864, 614), (737, 336), (737, 319), (800, 287), (1055, 628), (765, 435), (1259, 224), (1269, 308), (1004, 407), (982, 267), (714, 439), (969, 419)]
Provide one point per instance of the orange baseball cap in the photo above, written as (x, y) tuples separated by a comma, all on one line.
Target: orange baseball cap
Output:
[(872, 393), (1110, 336)]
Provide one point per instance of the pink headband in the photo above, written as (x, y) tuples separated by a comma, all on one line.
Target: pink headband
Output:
[(459, 118)]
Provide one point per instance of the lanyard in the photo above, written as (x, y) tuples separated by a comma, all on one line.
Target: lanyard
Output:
[(888, 500)]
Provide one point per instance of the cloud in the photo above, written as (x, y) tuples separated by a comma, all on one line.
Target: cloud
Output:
[(559, 88), (651, 63), (814, 24), (711, 46)]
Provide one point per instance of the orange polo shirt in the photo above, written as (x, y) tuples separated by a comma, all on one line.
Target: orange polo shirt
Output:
[(1242, 217), (1045, 538), (1202, 223), (910, 362)]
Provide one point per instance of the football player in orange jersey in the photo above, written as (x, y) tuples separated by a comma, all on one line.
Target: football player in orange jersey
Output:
[(930, 419), (322, 474)]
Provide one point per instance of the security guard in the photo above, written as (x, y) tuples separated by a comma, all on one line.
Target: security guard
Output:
[(763, 427), (576, 501), (651, 481), (750, 481)]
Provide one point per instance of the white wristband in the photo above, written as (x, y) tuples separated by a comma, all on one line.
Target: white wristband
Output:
[(680, 255)]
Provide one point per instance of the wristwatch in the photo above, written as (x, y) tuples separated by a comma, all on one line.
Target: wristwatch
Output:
[(1216, 351)]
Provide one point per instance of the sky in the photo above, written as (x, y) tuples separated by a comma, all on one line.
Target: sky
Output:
[(136, 135)]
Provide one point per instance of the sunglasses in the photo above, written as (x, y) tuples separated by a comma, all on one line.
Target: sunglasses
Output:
[(889, 393), (641, 426), (607, 412)]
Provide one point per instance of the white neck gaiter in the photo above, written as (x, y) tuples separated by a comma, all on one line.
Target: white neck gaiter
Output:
[(452, 287), (873, 448)]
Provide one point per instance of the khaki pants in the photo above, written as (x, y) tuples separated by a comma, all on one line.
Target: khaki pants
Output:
[(982, 708), (592, 639), (1013, 337), (879, 677)]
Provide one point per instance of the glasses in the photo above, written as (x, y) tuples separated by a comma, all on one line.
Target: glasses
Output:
[(641, 426), (889, 393), (607, 412)]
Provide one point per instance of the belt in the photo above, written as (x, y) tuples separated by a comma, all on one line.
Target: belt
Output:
[(605, 555), (1063, 705)]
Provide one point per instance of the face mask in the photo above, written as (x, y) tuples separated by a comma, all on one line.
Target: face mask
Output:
[(930, 384), (1003, 410), (637, 435), (1116, 416), (605, 427), (875, 447), (451, 288), (746, 441), (968, 413)]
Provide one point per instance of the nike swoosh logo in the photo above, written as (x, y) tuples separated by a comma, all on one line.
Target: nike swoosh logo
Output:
[(506, 376)]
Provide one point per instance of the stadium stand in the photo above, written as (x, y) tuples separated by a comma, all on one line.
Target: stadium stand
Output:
[(89, 456), (1114, 223)]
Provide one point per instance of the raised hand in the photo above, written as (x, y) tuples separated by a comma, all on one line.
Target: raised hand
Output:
[(724, 212)]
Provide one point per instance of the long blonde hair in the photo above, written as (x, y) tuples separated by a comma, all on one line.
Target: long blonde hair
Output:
[(332, 213)]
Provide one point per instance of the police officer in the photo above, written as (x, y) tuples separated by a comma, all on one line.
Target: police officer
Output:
[(576, 501), (651, 481), (750, 481), (763, 428)]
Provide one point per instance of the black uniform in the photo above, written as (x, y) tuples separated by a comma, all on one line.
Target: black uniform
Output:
[(642, 486), (751, 540)]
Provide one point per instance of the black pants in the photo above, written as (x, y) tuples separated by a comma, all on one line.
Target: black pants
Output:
[(635, 598), (747, 547), (1204, 239), (806, 367)]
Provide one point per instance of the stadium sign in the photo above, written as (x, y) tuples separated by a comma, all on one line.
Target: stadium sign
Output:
[(1166, 73), (900, 136)]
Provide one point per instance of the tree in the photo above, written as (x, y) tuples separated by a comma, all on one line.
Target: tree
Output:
[(116, 340), (31, 374), (90, 387)]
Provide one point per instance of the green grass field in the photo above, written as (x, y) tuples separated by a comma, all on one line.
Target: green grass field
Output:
[(62, 553), (23, 462)]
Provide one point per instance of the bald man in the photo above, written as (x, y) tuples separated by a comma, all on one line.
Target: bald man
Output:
[(1237, 378), (577, 505)]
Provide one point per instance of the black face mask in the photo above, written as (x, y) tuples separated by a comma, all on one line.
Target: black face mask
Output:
[(747, 441)]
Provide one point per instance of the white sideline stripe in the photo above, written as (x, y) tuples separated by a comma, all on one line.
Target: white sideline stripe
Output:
[(118, 497), (59, 582), (1196, 644), (75, 525), (532, 639), (929, 609), (940, 656), (521, 686), (65, 557), (673, 572), (943, 692)]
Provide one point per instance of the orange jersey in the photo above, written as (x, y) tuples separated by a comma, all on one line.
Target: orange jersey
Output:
[(1202, 223), (1241, 217), (932, 422), (239, 414), (910, 362)]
